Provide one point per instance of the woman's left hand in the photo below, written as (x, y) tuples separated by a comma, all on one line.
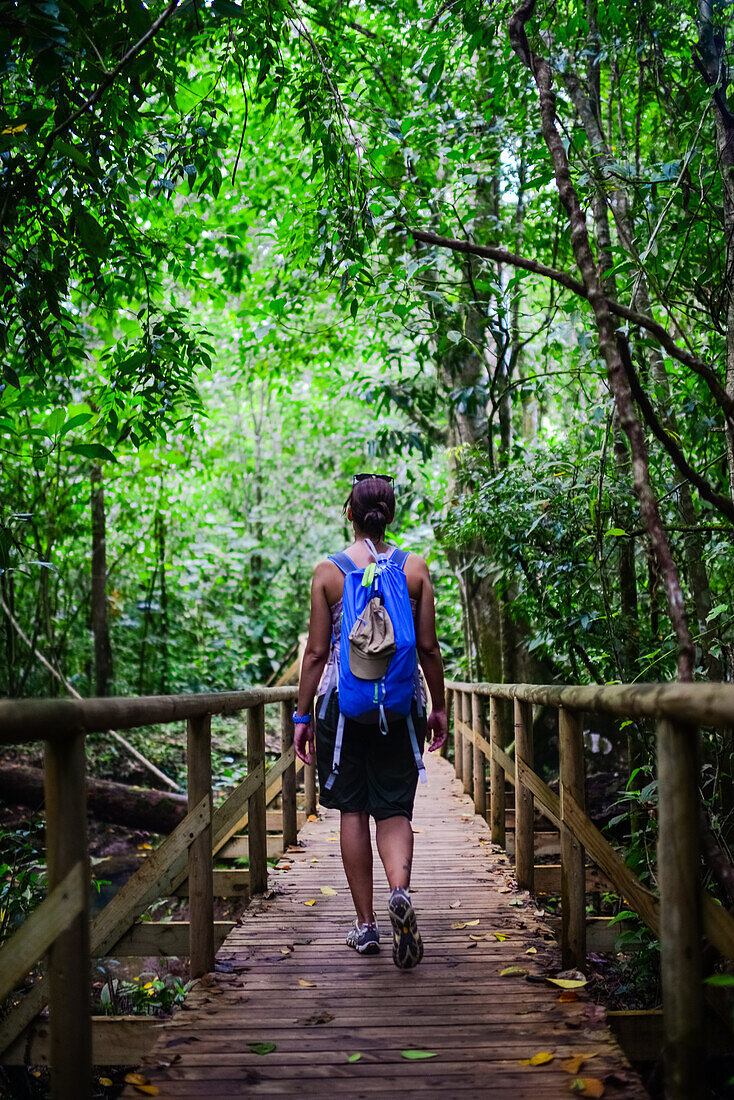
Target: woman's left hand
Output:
[(438, 726), (303, 740)]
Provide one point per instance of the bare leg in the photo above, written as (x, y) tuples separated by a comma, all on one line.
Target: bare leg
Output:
[(356, 846), (395, 845)]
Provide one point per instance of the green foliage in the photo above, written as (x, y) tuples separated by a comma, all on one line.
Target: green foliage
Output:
[(22, 876)]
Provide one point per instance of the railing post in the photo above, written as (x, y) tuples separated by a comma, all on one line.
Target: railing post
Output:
[(573, 875), (288, 789), (497, 779), (466, 745), (200, 861), (69, 962), (680, 915), (256, 818), (309, 788), (524, 801), (480, 779), (458, 736)]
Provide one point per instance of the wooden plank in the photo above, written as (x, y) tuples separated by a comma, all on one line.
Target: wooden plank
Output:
[(166, 938), (274, 820), (226, 884), (238, 847), (524, 806), (681, 968), (496, 774), (506, 762), (69, 957), (545, 843), (547, 878), (116, 1041), (232, 814), (547, 799), (467, 767), (288, 781), (23, 720), (256, 829), (201, 885), (38, 931), (480, 755), (611, 863), (573, 858)]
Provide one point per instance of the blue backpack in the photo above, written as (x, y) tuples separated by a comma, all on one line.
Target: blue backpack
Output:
[(373, 700)]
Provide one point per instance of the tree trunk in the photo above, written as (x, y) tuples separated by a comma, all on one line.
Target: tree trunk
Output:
[(136, 807), (100, 625)]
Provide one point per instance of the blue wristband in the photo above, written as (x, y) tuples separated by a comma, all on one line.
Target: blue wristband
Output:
[(301, 719)]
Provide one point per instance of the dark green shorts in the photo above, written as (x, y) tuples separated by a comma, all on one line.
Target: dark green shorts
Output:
[(377, 772)]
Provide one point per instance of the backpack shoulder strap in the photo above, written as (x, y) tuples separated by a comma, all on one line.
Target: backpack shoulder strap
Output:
[(344, 562), (399, 557)]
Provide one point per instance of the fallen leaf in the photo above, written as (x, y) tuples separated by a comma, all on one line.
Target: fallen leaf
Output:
[(106, 1082), (305, 984), (573, 1064), (329, 891), (586, 1086), (567, 996), (136, 1079), (285, 950), (513, 972), (539, 1059), (517, 901), (454, 905), (284, 867), (499, 936), (354, 1057), (471, 945), (459, 924), (532, 951), (414, 1055), (319, 1018), (262, 1048), (314, 860), (313, 817), (567, 983), (311, 902), (144, 847), (478, 936), (504, 890)]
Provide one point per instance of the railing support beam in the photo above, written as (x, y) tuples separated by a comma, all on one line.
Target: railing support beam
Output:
[(288, 786), (497, 780), (524, 801), (69, 963), (200, 860), (467, 749), (480, 770), (458, 738), (680, 909), (256, 811), (573, 872)]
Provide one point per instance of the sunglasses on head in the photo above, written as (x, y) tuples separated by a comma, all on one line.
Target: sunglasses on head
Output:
[(377, 477)]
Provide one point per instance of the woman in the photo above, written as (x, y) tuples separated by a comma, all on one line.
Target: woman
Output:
[(378, 772)]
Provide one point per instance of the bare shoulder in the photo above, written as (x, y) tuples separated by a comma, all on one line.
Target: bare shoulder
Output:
[(415, 566)]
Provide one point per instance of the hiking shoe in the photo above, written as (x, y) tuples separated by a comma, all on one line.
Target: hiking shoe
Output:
[(407, 945), (364, 938)]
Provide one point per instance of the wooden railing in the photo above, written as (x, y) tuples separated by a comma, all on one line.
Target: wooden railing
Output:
[(681, 914), (61, 924)]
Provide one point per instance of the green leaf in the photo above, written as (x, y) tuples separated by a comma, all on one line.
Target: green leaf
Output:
[(720, 979), (716, 611), (354, 1057), (93, 450), (75, 422), (262, 1048), (416, 1055), (614, 531)]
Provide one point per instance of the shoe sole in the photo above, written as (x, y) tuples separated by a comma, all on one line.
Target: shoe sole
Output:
[(407, 945), (368, 949)]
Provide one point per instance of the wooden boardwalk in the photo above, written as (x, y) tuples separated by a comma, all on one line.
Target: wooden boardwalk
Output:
[(285, 977)]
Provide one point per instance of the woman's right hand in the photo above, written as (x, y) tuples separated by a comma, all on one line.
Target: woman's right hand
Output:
[(438, 727), (303, 741)]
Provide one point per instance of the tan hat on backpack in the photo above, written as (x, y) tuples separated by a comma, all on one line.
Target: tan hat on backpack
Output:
[(371, 642)]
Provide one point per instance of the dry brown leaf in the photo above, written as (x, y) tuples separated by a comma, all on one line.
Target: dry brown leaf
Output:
[(454, 905), (573, 1064), (586, 1086), (504, 890), (567, 996), (471, 945)]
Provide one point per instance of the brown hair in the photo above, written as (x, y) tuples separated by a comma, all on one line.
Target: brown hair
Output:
[(373, 506)]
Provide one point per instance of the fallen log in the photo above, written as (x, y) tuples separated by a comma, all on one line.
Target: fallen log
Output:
[(119, 803)]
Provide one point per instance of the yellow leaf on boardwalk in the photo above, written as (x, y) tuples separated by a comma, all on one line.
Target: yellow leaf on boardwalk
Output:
[(499, 936), (568, 983), (539, 1059), (532, 951), (459, 924), (313, 817), (329, 891), (513, 972), (573, 1064), (311, 902), (305, 984)]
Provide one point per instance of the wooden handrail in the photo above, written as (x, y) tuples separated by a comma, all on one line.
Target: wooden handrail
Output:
[(187, 852), (684, 912)]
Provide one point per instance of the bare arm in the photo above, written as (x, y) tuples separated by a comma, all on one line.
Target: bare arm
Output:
[(315, 657), (429, 655)]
